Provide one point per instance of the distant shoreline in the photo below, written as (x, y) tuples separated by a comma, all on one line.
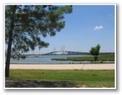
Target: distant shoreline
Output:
[(68, 63)]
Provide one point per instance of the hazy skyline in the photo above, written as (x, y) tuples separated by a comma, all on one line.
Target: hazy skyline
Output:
[(86, 26)]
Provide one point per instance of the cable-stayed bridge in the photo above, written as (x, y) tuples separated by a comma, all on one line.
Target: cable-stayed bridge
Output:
[(67, 53), (59, 53)]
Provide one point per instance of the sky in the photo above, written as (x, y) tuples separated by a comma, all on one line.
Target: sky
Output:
[(86, 26)]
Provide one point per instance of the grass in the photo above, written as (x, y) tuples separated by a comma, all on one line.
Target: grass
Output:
[(78, 78), (102, 57)]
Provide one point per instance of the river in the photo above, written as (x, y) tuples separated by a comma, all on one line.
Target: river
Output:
[(46, 59)]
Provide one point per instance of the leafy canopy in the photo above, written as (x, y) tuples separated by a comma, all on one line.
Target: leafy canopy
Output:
[(95, 50), (30, 23)]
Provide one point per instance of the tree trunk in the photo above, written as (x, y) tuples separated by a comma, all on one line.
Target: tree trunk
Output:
[(95, 58), (8, 54), (7, 65)]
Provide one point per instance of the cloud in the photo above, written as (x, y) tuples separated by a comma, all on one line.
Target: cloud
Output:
[(98, 27)]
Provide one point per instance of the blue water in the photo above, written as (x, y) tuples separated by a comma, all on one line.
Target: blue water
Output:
[(46, 59)]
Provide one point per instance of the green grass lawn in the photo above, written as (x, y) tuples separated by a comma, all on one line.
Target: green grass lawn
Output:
[(79, 78)]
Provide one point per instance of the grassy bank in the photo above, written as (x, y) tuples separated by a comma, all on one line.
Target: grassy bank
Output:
[(67, 78), (103, 57)]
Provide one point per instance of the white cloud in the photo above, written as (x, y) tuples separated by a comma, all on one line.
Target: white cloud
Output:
[(98, 27)]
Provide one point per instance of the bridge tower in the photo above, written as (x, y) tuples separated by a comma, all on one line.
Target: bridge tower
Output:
[(55, 50), (63, 50)]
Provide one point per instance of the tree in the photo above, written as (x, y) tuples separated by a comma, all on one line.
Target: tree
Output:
[(26, 24), (95, 52)]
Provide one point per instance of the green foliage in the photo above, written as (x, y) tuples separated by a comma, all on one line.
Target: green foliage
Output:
[(29, 23), (95, 52)]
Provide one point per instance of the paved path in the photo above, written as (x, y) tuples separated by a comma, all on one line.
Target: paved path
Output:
[(64, 66)]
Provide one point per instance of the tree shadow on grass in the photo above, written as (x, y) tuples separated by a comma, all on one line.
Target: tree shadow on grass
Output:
[(42, 84)]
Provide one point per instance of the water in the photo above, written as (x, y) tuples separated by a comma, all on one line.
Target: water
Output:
[(46, 59)]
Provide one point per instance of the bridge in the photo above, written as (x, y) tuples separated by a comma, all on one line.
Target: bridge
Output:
[(67, 53), (58, 53), (61, 51)]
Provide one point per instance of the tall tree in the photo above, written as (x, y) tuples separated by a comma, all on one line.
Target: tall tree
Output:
[(26, 24), (95, 52)]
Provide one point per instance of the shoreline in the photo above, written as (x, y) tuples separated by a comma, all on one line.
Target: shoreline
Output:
[(64, 66), (63, 63)]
